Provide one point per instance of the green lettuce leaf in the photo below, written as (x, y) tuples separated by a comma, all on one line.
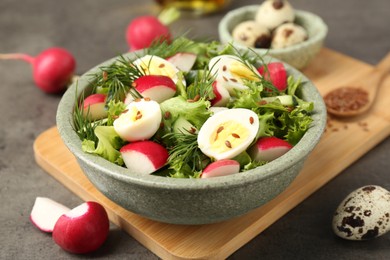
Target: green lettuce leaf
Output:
[(107, 146)]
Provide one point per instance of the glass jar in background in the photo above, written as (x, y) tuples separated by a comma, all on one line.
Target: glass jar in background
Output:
[(196, 7)]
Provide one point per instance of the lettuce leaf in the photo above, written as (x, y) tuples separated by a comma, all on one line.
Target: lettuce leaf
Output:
[(107, 146)]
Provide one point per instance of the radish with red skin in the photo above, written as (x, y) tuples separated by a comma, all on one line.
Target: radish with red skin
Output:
[(184, 61), (269, 148), (143, 31), (276, 73), (222, 96), (94, 106), (144, 157), (46, 212), (156, 87), (83, 229), (53, 68), (221, 168)]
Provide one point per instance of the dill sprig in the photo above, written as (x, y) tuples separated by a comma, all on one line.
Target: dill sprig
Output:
[(185, 157), (116, 79), (82, 124), (244, 59), (165, 49), (202, 86)]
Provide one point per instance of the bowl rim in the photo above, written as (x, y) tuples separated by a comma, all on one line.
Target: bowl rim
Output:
[(300, 14), (269, 170)]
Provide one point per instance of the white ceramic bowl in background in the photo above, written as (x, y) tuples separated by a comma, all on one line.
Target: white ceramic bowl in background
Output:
[(299, 55)]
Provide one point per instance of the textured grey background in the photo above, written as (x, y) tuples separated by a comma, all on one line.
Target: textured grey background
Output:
[(93, 30)]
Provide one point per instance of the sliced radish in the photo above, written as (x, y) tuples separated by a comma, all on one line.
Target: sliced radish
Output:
[(221, 168), (140, 120), (144, 157), (269, 148), (184, 61), (46, 212), (276, 74), (156, 87), (222, 96), (94, 106), (154, 65), (83, 229)]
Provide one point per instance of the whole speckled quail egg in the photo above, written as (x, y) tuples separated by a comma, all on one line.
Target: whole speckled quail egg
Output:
[(273, 13), (252, 34), (364, 214), (288, 34)]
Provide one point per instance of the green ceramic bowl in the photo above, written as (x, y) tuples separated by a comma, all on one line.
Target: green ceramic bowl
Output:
[(190, 201), (299, 55)]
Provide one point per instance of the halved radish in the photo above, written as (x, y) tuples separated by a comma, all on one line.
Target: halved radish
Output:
[(276, 74), (184, 61), (269, 148), (83, 229), (221, 168), (156, 87), (144, 157), (46, 212), (94, 106), (222, 96)]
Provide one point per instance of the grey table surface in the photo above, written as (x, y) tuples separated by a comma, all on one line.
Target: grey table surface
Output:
[(93, 30)]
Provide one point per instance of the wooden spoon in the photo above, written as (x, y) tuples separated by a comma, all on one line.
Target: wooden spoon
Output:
[(359, 96)]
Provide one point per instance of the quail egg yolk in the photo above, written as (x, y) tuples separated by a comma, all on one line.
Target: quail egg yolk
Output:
[(227, 136), (158, 67), (241, 71), (133, 114)]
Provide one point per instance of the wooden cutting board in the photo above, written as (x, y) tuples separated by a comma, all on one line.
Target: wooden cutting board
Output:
[(343, 143)]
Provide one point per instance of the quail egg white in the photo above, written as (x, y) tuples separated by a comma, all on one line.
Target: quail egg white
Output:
[(364, 214), (140, 120), (229, 72), (228, 133)]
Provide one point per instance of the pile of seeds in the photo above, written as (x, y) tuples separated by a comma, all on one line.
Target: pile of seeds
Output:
[(346, 99)]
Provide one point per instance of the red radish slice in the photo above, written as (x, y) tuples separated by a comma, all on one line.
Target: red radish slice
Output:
[(269, 148), (156, 87), (276, 73), (52, 69), (184, 61), (144, 157), (46, 212), (221, 168), (222, 96), (83, 229), (94, 106)]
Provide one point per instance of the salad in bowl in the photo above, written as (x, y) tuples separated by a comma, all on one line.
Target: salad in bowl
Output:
[(192, 110), (191, 132)]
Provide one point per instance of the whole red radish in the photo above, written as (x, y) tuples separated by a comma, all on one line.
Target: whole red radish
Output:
[(83, 229), (53, 68), (145, 30), (276, 73)]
